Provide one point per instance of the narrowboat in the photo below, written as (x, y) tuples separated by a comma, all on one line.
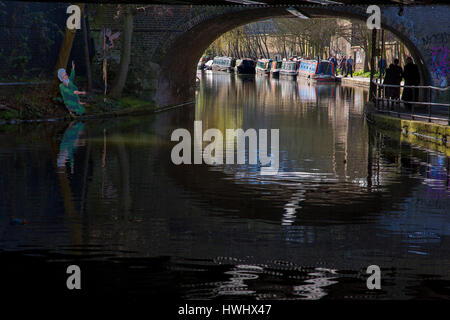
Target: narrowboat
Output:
[(245, 66), (275, 68), (263, 66), (223, 64), (320, 71), (208, 64), (289, 69)]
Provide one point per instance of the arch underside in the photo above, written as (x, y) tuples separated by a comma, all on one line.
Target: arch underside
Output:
[(176, 83)]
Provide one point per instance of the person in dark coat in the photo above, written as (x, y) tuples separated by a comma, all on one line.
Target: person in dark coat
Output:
[(349, 66), (397, 79), (343, 66), (389, 78), (334, 62), (412, 78), (382, 66)]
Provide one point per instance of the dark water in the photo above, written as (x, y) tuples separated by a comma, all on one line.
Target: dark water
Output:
[(105, 195)]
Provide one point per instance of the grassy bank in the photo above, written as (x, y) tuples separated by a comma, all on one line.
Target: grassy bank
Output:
[(38, 104)]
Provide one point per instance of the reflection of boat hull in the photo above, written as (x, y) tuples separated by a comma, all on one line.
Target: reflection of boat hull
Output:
[(223, 64), (224, 69), (245, 66), (289, 69), (262, 72), (322, 72), (320, 78), (245, 71), (275, 69), (263, 67), (288, 75)]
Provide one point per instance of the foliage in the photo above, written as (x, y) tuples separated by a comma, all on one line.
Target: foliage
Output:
[(285, 36), (32, 35), (142, 74), (33, 104), (9, 114), (366, 74), (133, 102), (289, 37)]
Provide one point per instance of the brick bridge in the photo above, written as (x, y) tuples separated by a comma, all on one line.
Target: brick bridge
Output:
[(175, 37)]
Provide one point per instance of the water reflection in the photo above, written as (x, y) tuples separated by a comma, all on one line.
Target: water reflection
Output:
[(346, 196), (314, 289), (70, 142)]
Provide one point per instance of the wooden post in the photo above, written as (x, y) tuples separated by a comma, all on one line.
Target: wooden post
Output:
[(429, 106)]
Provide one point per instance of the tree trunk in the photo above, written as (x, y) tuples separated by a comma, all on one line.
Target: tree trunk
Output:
[(64, 53), (402, 56), (125, 54), (366, 62), (367, 55), (86, 52)]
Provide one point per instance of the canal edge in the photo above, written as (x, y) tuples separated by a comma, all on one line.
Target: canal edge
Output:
[(135, 111), (427, 135)]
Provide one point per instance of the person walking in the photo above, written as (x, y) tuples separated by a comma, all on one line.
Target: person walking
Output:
[(334, 63), (389, 80), (343, 65), (397, 75), (382, 66), (349, 66), (412, 78)]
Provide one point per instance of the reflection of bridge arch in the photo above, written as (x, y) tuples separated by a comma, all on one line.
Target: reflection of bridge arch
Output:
[(295, 198), (182, 51), (234, 197)]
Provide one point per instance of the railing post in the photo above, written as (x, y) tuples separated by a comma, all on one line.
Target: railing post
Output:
[(448, 122), (376, 97), (373, 88), (429, 106)]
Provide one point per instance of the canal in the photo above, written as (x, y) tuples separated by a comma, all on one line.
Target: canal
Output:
[(105, 195)]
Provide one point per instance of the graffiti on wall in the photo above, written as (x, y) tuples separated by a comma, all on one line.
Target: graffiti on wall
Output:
[(442, 37), (440, 64)]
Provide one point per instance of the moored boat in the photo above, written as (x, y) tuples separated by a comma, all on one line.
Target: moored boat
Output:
[(322, 71), (208, 64), (245, 66), (223, 64), (263, 66), (289, 69), (275, 68)]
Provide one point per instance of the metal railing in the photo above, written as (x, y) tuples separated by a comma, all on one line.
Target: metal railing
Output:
[(390, 105)]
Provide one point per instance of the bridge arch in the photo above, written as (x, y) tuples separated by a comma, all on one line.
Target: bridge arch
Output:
[(176, 80)]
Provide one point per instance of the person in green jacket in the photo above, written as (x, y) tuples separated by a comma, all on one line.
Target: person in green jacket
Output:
[(70, 92)]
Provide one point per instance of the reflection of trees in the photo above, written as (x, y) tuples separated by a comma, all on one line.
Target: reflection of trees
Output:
[(221, 105)]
